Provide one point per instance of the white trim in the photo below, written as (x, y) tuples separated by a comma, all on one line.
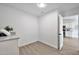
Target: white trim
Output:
[(52, 45), (20, 45)]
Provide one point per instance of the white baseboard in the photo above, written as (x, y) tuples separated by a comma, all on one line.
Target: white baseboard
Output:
[(52, 45), (26, 43)]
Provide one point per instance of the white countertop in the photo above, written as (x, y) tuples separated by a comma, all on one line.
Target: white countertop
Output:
[(8, 38)]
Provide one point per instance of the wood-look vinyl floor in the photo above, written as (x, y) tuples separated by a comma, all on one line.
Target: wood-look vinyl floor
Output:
[(71, 47)]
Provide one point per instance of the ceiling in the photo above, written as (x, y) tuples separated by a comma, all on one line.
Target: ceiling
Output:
[(65, 9)]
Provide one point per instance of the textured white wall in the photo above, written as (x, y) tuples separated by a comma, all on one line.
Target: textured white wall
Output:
[(25, 25), (48, 29)]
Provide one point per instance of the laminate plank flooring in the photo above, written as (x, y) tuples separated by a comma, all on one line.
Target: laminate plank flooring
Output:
[(71, 47)]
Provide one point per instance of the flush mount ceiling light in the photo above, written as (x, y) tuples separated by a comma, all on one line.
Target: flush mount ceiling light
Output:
[(41, 5)]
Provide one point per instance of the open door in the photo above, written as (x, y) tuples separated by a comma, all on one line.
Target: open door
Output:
[(60, 32)]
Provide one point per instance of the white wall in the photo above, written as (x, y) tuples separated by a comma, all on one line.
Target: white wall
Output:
[(48, 29), (75, 28), (25, 25)]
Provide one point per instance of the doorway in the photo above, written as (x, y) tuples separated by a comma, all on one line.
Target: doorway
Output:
[(70, 35)]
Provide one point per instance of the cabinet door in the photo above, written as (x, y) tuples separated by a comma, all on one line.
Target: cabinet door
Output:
[(9, 47)]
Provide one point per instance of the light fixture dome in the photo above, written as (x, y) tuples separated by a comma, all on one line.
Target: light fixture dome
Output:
[(41, 5)]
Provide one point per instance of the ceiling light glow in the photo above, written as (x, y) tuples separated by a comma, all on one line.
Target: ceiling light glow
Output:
[(41, 5)]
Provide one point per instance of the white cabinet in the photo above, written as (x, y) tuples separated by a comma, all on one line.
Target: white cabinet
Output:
[(9, 47)]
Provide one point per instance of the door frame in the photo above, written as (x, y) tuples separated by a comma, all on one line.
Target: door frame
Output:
[(59, 48), (58, 34)]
